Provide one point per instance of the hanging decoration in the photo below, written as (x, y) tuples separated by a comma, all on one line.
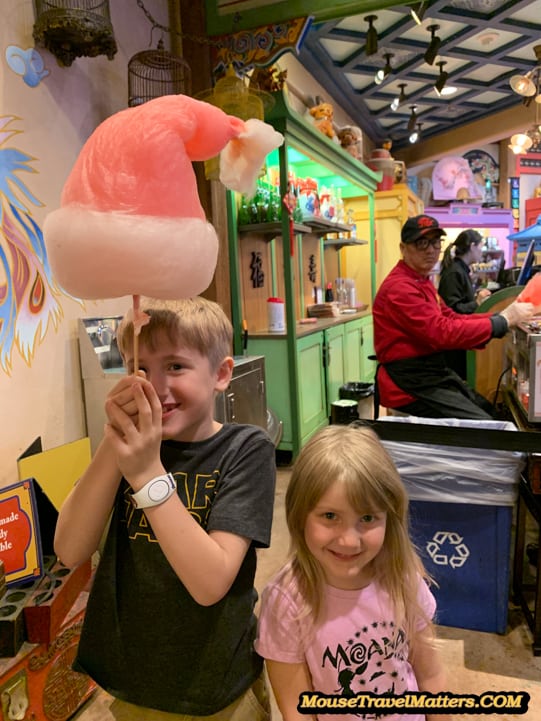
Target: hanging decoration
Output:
[(232, 95), (156, 72), (290, 202), (74, 28), (153, 73)]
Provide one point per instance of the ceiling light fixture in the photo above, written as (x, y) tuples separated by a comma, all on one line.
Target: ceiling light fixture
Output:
[(434, 46), (442, 78), (397, 102), (414, 137), (417, 11), (448, 90), (522, 142), (412, 122), (371, 39), (386, 70), (528, 85)]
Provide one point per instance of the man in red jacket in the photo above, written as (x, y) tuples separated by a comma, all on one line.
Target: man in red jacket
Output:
[(413, 327)]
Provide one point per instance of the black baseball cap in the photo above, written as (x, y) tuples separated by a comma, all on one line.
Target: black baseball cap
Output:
[(415, 228)]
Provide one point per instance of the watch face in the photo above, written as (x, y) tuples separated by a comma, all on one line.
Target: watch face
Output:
[(159, 489)]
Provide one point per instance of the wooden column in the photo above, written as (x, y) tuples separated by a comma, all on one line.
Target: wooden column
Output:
[(188, 17)]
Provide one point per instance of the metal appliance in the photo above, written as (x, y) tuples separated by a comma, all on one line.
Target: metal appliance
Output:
[(523, 351)]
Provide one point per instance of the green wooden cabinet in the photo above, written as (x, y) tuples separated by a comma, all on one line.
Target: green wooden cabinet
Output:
[(334, 363), (368, 364), (323, 361), (353, 349), (302, 406), (349, 350), (304, 366)]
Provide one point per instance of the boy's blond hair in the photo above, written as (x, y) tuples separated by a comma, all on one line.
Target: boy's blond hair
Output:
[(196, 323)]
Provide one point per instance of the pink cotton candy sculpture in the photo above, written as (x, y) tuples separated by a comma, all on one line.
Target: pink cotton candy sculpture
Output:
[(531, 293), (130, 221)]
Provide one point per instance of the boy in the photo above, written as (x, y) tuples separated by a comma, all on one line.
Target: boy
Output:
[(169, 625)]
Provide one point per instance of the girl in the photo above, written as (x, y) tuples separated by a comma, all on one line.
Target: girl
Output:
[(351, 611), (455, 286)]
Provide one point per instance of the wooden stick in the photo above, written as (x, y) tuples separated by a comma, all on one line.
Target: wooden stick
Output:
[(136, 331)]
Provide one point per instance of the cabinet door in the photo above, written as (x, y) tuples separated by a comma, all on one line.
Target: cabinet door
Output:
[(334, 363), (352, 350), (368, 365), (313, 412)]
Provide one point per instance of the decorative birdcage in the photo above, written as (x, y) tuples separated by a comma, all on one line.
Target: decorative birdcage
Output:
[(73, 28), (234, 97), (153, 73)]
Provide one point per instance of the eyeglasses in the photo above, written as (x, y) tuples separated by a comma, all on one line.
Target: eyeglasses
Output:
[(423, 243)]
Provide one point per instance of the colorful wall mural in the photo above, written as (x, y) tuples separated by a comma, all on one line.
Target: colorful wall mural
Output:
[(29, 296)]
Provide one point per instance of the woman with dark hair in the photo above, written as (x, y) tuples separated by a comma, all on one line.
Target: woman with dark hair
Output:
[(455, 286)]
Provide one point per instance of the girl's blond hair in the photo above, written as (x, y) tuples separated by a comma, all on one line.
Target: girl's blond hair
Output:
[(354, 456), (197, 323)]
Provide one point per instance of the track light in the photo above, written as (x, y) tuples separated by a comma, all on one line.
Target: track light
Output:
[(397, 102), (386, 70), (442, 78), (371, 40), (434, 46), (417, 11), (413, 117), (416, 134)]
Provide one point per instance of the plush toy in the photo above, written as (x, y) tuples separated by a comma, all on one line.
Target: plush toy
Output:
[(130, 221), (270, 79), (350, 137), (323, 118)]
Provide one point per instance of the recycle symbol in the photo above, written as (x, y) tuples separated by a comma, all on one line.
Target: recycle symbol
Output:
[(447, 549)]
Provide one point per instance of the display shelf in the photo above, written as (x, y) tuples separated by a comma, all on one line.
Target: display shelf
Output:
[(339, 243), (272, 229), (324, 225)]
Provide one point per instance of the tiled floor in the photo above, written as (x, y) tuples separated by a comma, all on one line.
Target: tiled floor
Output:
[(476, 662)]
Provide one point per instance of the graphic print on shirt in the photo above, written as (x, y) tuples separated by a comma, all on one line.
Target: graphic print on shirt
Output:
[(375, 660), (196, 491)]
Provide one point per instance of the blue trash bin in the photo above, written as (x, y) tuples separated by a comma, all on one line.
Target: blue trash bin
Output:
[(461, 510)]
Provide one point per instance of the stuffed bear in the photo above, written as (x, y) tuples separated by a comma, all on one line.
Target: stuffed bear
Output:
[(323, 117), (350, 137)]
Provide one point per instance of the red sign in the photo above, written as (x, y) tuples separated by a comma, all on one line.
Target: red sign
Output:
[(20, 543)]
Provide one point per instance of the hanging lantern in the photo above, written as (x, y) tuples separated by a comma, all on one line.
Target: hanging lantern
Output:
[(234, 97), (73, 28), (153, 73)]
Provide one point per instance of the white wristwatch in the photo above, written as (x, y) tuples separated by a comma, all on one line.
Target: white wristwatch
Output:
[(154, 492)]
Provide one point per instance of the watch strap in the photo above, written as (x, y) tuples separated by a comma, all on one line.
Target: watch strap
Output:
[(155, 492)]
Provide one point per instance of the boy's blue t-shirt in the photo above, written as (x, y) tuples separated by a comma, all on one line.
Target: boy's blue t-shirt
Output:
[(145, 640)]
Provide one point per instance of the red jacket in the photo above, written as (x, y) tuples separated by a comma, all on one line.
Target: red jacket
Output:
[(411, 320)]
